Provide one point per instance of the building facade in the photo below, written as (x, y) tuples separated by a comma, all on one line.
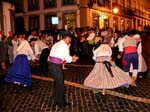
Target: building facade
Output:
[(38, 14), (7, 16)]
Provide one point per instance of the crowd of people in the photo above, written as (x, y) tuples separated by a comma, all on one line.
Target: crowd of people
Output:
[(117, 57)]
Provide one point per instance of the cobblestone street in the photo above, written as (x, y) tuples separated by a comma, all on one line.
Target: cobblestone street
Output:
[(39, 97)]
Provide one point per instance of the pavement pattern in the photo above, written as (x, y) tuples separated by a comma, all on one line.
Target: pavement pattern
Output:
[(39, 97)]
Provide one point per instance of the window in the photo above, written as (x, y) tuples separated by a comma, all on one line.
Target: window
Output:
[(128, 3), (115, 1), (50, 3), (94, 1), (139, 22), (34, 22), (69, 20), (106, 23), (128, 25), (19, 6), (134, 23), (122, 24), (104, 3), (122, 3), (95, 19), (19, 24), (48, 21), (115, 23), (68, 2), (33, 4)]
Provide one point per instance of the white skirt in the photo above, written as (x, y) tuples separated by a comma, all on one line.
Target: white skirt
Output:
[(100, 78)]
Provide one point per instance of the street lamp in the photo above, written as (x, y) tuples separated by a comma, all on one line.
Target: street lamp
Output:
[(115, 10)]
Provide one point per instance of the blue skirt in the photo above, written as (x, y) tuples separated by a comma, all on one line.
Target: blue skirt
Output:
[(20, 71)]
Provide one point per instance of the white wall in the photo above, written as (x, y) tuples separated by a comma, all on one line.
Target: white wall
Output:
[(6, 16)]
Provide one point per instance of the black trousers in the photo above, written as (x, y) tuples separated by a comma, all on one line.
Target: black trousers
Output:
[(59, 92), (43, 63)]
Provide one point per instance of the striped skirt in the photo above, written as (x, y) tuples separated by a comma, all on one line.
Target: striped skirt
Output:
[(100, 77)]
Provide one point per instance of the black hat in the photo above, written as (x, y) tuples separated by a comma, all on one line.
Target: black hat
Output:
[(65, 34)]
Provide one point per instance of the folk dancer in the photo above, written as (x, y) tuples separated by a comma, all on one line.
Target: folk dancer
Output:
[(105, 75), (19, 72), (59, 53)]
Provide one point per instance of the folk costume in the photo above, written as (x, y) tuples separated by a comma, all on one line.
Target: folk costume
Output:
[(130, 56), (58, 54), (105, 75), (20, 72), (142, 67)]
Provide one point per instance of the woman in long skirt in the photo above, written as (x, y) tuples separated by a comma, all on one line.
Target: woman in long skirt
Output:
[(20, 72), (105, 75)]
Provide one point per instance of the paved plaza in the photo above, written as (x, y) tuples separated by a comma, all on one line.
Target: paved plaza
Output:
[(39, 97)]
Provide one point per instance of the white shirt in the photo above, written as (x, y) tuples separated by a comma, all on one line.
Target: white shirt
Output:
[(39, 46), (25, 48), (120, 43), (102, 50), (61, 50)]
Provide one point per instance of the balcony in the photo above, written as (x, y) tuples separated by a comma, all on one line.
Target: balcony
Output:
[(124, 11)]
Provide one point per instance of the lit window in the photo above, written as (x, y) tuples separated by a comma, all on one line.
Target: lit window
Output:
[(69, 20), (48, 21)]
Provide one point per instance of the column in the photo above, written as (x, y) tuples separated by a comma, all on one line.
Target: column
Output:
[(1, 17), (60, 16), (26, 22), (42, 22), (26, 18), (78, 18)]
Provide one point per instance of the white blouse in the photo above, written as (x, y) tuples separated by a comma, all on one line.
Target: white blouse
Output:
[(25, 48), (102, 50)]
